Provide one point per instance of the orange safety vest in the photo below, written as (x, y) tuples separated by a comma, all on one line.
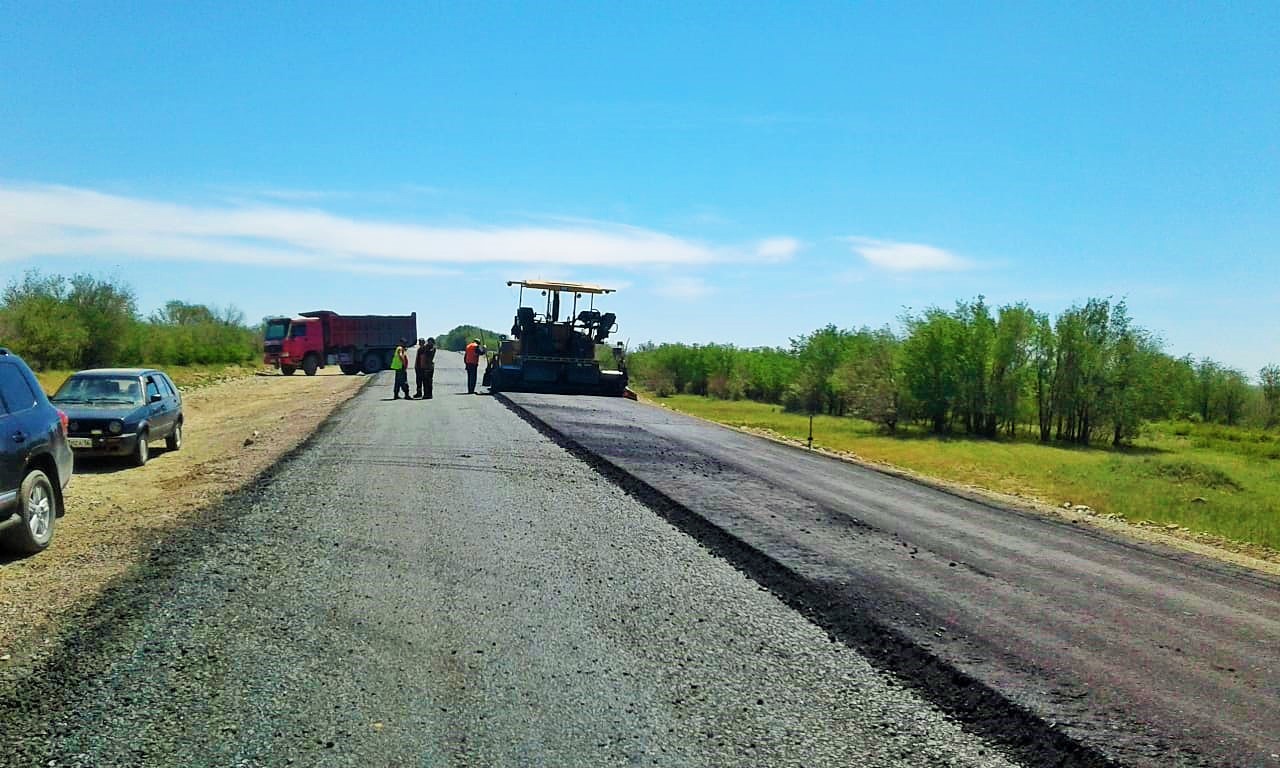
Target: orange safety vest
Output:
[(472, 355)]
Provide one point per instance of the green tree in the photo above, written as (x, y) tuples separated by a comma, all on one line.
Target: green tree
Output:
[(107, 311), (930, 365), (1269, 382), (38, 322)]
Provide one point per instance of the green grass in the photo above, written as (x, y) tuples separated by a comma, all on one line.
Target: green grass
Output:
[(185, 376), (1207, 478)]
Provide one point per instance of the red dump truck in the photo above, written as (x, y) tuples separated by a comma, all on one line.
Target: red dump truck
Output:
[(354, 343)]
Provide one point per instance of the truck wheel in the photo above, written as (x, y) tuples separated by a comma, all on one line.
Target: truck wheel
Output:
[(288, 370), (350, 370), (310, 364), (141, 451), (373, 362), (39, 510)]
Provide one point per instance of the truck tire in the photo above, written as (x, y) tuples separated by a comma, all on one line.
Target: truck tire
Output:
[(373, 362), (39, 509), (350, 370), (288, 370), (310, 364)]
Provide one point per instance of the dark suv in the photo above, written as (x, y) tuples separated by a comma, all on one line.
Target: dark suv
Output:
[(35, 459)]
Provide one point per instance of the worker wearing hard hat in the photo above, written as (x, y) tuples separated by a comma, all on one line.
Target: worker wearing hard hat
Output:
[(471, 359)]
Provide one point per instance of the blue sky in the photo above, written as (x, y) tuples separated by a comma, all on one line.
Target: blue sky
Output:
[(744, 172)]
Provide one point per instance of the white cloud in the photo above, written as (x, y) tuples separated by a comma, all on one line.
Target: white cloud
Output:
[(42, 220), (778, 248), (685, 288), (906, 257)]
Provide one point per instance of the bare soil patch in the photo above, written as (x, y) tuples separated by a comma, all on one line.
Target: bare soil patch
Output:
[(115, 512)]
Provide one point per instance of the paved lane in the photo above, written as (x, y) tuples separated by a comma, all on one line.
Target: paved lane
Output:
[(1153, 657), (438, 584)]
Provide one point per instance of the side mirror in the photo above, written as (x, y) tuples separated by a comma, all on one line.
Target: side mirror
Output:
[(156, 398)]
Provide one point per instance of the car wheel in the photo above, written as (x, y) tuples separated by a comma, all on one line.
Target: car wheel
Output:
[(174, 441), (39, 512), (310, 364), (372, 362), (288, 370), (141, 451)]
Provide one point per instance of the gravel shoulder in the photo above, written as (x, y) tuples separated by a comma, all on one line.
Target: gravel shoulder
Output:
[(116, 513), (437, 583)]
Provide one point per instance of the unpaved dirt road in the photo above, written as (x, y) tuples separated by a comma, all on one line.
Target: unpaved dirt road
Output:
[(115, 512), (1025, 627), (439, 584)]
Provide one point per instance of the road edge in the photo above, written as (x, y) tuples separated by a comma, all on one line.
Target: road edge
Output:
[(979, 708), (96, 624)]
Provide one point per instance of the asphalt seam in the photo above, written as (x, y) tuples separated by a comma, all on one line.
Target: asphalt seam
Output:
[(981, 709)]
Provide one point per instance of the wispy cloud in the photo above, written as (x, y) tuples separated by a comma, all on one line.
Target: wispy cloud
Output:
[(907, 257), (42, 220), (778, 248)]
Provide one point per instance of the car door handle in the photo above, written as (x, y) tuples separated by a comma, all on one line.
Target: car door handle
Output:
[(19, 437)]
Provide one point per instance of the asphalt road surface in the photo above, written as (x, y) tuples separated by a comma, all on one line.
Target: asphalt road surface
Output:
[(438, 583), (1030, 630)]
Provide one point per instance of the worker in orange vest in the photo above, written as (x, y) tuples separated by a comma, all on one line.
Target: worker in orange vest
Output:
[(471, 359)]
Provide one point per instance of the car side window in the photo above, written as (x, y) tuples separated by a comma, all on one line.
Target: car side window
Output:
[(153, 389), (298, 330), (166, 386), (15, 390)]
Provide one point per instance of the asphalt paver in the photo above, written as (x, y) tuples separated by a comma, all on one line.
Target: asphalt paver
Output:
[(1031, 630), (438, 583)]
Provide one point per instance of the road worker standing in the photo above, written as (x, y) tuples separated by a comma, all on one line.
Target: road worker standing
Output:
[(400, 366), (471, 359), (424, 366)]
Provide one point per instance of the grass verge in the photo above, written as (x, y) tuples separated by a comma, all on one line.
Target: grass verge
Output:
[(1204, 479)]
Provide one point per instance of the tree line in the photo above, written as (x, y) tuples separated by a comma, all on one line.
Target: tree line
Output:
[(1089, 374), (83, 321), (458, 338)]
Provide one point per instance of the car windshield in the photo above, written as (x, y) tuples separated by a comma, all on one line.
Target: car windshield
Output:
[(277, 330), (123, 390)]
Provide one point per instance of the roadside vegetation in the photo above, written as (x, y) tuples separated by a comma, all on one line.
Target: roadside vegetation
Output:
[(457, 339), (1084, 408), (64, 323)]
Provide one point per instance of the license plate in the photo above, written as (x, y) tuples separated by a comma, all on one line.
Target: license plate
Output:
[(80, 442)]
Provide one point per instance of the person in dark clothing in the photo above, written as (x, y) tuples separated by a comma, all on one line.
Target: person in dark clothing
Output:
[(399, 365), (424, 367)]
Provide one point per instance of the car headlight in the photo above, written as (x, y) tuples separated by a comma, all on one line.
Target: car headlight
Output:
[(115, 427)]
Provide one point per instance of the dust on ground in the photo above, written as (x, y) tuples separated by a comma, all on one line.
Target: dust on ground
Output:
[(116, 512)]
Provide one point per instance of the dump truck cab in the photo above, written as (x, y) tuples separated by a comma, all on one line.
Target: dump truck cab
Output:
[(289, 341), (554, 345)]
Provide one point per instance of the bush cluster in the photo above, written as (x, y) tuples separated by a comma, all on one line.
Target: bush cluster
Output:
[(82, 321)]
